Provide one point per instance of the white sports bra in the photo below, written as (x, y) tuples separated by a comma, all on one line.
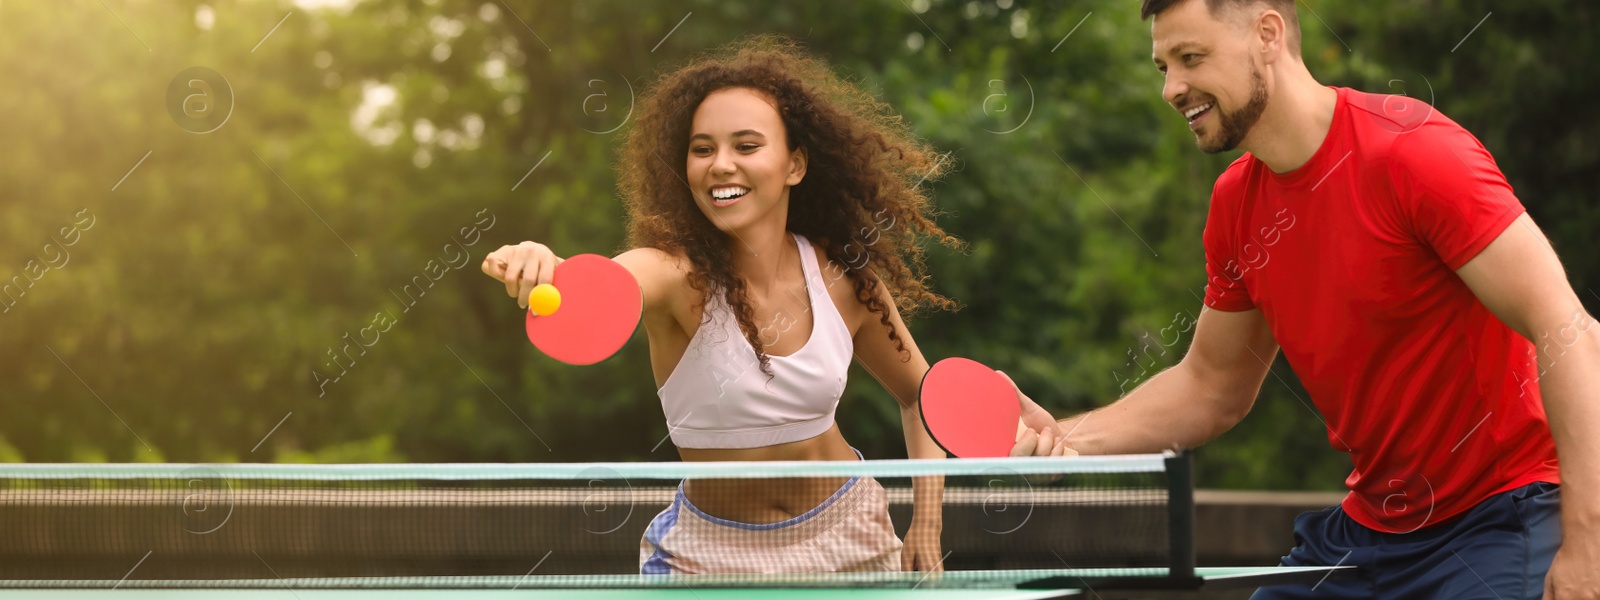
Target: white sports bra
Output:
[(717, 396)]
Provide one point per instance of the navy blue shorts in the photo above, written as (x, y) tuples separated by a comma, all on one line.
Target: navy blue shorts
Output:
[(1498, 550)]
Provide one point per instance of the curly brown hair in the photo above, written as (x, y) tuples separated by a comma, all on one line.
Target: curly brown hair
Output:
[(859, 200)]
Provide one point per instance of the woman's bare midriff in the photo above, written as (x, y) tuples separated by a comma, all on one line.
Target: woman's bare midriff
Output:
[(767, 500)]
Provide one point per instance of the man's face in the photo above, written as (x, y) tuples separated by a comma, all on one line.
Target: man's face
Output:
[(1212, 78)]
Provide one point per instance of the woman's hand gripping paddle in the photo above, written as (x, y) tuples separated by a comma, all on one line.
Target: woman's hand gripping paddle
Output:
[(590, 314)]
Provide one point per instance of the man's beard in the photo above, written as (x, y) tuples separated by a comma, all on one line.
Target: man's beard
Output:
[(1237, 124)]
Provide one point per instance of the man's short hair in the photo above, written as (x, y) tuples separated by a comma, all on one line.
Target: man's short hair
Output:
[(1220, 8)]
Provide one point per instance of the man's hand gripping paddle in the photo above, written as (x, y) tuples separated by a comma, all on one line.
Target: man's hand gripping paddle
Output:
[(970, 409)]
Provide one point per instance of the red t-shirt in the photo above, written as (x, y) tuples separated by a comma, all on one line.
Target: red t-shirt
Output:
[(1351, 259)]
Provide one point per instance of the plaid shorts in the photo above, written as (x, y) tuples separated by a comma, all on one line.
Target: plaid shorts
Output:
[(850, 531)]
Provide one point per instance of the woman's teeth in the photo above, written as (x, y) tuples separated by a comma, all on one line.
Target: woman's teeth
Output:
[(726, 195)]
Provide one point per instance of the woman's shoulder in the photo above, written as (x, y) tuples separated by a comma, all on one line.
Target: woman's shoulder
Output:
[(661, 274), (653, 258), (840, 284)]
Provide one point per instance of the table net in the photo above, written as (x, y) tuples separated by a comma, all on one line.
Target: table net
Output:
[(587, 525)]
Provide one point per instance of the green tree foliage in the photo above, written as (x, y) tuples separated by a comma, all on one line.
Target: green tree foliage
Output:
[(216, 307)]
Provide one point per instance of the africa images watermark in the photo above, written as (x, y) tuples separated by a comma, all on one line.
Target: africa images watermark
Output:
[(452, 257), (1182, 323), (52, 255), (1552, 349)]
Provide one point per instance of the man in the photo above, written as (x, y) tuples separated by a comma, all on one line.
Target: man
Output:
[(1379, 244)]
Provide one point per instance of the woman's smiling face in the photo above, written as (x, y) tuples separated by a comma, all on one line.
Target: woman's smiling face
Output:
[(739, 163)]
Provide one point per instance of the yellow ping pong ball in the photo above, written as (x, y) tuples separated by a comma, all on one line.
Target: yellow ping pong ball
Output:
[(545, 300)]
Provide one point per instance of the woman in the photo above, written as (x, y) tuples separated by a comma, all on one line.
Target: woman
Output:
[(773, 212)]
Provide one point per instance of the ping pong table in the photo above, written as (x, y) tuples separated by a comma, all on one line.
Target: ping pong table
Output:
[(464, 532), (951, 585)]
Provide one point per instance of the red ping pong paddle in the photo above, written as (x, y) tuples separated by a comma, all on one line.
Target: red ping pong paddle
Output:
[(970, 410), (600, 308)]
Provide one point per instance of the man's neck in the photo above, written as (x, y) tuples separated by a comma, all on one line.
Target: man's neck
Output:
[(1295, 123)]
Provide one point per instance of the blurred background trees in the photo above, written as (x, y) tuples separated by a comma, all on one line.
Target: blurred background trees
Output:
[(215, 306)]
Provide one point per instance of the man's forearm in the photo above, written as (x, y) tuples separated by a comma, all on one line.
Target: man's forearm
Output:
[(1170, 410), (1571, 388)]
